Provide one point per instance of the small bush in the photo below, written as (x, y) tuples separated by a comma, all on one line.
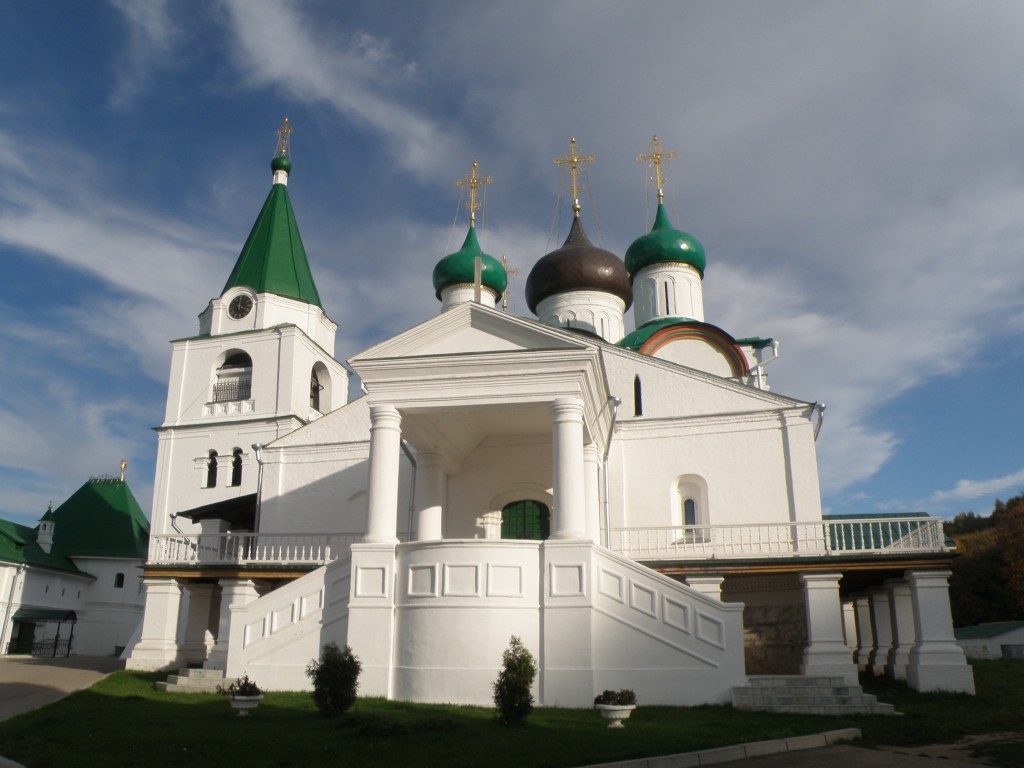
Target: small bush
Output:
[(335, 678), (624, 697), (243, 686), (512, 694)]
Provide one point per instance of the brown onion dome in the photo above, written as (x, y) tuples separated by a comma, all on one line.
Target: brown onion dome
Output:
[(578, 265)]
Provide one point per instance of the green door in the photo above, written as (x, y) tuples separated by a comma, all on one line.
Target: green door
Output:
[(525, 519)]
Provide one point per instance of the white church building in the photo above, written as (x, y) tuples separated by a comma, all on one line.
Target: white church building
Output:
[(640, 508)]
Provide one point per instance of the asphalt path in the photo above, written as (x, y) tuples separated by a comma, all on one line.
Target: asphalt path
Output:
[(27, 683)]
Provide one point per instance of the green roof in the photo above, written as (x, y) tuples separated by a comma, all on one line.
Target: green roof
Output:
[(18, 545), (635, 339), (101, 519), (460, 267), (273, 259), (664, 244), (986, 631)]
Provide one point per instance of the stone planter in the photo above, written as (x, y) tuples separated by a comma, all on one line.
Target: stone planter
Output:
[(616, 713), (244, 703)]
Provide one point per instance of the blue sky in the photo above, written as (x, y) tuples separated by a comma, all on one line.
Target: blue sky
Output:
[(855, 172)]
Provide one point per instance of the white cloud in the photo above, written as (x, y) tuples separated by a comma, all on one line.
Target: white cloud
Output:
[(973, 489), (151, 37)]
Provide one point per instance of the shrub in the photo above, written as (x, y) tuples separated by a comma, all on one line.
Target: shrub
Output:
[(243, 686), (335, 678), (623, 697), (512, 694)]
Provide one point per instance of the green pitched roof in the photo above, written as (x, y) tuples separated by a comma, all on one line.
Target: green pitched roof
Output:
[(460, 267), (273, 259), (986, 631), (664, 244), (101, 519), (18, 545)]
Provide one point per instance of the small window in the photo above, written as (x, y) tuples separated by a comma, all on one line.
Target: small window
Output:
[(119, 581), (689, 512), (525, 519), (638, 397), (236, 467), (315, 388), (211, 470)]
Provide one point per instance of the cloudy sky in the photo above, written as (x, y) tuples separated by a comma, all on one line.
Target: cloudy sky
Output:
[(855, 172)]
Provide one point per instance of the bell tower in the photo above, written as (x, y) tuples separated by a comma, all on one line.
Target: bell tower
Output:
[(261, 366)]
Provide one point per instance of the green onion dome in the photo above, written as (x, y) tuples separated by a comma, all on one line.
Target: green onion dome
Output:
[(281, 163), (578, 265), (664, 245), (460, 267)]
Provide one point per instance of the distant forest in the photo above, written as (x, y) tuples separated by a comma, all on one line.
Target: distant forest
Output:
[(988, 574)]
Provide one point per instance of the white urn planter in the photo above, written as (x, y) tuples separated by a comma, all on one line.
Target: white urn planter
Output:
[(616, 713), (244, 703)]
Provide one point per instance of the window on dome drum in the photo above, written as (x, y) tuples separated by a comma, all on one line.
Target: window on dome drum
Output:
[(236, 467), (211, 470), (638, 397), (525, 519), (234, 379), (119, 581), (668, 300)]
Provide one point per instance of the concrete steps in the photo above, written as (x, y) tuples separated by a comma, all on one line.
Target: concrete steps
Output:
[(193, 681), (795, 694)]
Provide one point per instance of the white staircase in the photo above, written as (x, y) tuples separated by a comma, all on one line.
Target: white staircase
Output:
[(193, 681), (795, 694)]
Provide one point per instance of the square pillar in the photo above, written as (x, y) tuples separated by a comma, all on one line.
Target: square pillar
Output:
[(428, 496), (706, 585), (826, 654), (865, 631), (937, 663), (385, 444), (197, 622), (901, 608), (881, 620), (850, 627), (233, 592), (158, 644), (592, 481), (371, 616), (569, 515)]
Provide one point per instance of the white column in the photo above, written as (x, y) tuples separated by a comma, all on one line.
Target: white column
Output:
[(937, 663), (197, 622), (706, 585), (901, 607), (569, 492), (385, 439), (881, 620), (158, 644), (592, 481), (850, 627), (429, 485), (826, 654), (233, 592), (865, 632)]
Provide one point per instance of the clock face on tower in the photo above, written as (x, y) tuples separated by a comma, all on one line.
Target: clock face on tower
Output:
[(240, 306)]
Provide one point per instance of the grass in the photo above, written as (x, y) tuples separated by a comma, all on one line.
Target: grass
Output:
[(123, 720)]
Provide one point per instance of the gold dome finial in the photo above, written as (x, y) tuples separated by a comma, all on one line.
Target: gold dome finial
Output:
[(124, 466), (284, 134), (575, 162), (655, 159), (472, 180)]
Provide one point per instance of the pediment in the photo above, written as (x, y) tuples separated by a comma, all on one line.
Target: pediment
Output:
[(471, 329)]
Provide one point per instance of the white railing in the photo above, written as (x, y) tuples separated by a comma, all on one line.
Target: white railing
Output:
[(249, 548), (828, 537)]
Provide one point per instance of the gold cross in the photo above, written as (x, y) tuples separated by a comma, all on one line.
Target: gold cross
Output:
[(473, 181), (283, 135), (655, 159), (511, 273), (574, 162)]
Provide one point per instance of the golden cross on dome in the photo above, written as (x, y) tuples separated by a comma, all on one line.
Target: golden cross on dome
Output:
[(473, 181), (574, 162), (284, 133), (655, 159), (124, 466), (511, 272)]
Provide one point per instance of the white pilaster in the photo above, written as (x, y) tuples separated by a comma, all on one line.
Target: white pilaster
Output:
[(233, 592), (385, 439), (865, 631), (706, 585), (592, 480), (826, 654), (158, 644), (901, 607), (881, 620), (371, 616), (197, 622), (850, 627), (937, 663), (428, 498), (569, 487)]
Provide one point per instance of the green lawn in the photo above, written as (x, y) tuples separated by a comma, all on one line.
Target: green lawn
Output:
[(123, 720)]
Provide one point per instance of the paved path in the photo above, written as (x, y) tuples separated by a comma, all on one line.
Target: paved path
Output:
[(29, 683)]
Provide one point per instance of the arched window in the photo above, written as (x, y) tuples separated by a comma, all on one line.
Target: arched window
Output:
[(690, 513), (314, 391), (234, 378), (119, 581), (638, 397), (211, 470), (526, 519), (236, 467), (320, 388)]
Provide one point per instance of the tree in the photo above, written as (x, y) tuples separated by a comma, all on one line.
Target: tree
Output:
[(512, 694), (1010, 532), (335, 678)]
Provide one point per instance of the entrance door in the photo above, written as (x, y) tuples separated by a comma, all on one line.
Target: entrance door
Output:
[(526, 519)]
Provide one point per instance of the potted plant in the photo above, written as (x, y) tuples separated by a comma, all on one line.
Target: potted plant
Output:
[(243, 693), (616, 706)]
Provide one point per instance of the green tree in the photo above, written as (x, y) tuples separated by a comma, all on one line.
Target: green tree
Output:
[(1010, 532), (512, 694)]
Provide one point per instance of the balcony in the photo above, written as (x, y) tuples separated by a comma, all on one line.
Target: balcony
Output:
[(249, 548)]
